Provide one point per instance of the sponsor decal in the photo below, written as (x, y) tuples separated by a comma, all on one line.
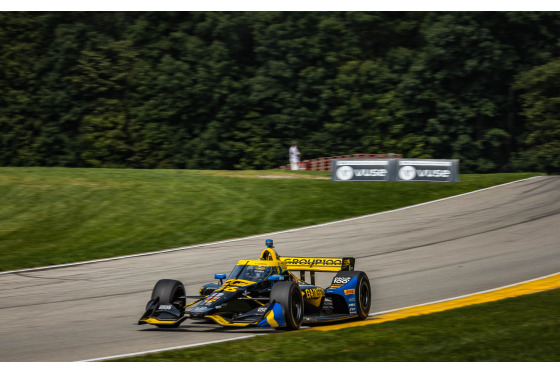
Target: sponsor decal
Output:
[(262, 309), (341, 280), (314, 293), (165, 307), (433, 173), (200, 309), (213, 297), (349, 292), (313, 261), (370, 172)]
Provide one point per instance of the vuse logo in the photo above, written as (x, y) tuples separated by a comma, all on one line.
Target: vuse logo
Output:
[(345, 173), (407, 173)]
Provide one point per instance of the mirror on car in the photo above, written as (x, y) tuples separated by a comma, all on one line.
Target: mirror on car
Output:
[(276, 277)]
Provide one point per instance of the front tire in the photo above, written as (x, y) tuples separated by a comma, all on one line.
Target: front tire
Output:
[(289, 296), (169, 291)]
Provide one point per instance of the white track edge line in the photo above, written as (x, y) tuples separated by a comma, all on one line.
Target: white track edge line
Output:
[(369, 315), (256, 236), (169, 348)]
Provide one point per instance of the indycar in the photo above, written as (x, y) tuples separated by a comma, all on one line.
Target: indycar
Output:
[(266, 293)]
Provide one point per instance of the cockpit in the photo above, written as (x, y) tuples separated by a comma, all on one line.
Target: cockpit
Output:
[(253, 273)]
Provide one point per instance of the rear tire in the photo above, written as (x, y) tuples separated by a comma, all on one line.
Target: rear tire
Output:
[(289, 296), (363, 296), (362, 291)]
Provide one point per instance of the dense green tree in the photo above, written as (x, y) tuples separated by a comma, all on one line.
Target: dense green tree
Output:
[(102, 80), (458, 90), (226, 90), (541, 106), (19, 82), (368, 121)]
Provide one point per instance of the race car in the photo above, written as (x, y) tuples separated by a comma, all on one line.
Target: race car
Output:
[(266, 293)]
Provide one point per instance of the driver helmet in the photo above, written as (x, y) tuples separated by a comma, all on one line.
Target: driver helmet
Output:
[(250, 271)]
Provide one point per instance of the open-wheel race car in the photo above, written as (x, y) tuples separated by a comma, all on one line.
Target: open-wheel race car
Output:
[(266, 293)]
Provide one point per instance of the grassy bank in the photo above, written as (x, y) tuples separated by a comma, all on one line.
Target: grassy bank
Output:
[(523, 329), (58, 215)]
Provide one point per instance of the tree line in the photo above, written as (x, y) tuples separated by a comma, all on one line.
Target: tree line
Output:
[(232, 90)]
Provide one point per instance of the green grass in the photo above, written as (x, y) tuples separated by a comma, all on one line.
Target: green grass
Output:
[(58, 215), (524, 328)]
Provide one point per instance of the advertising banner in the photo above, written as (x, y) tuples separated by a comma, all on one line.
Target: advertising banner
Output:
[(405, 170), (361, 170), (419, 170)]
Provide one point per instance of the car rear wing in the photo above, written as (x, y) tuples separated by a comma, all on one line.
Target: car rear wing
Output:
[(319, 263), (313, 264)]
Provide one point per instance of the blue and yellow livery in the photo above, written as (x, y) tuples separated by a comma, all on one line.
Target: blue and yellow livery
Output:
[(266, 293)]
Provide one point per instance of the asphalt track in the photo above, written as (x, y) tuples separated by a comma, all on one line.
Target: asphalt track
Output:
[(457, 246)]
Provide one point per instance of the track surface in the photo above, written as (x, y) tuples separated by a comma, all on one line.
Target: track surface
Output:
[(457, 246)]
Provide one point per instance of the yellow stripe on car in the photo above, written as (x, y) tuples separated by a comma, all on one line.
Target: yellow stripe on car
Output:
[(157, 321), (224, 322)]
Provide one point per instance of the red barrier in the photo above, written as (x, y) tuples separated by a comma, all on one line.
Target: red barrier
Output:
[(324, 163)]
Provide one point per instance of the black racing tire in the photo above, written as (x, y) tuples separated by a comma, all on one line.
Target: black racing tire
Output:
[(288, 294), (363, 296), (169, 291), (362, 292)]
